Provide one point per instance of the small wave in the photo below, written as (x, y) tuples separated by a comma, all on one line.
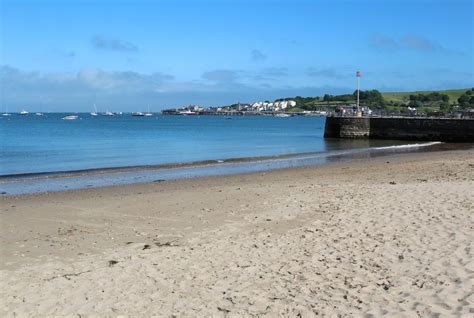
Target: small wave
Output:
[(426, 144), (212, 162)]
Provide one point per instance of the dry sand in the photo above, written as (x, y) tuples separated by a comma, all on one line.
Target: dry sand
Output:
[(390, 236)]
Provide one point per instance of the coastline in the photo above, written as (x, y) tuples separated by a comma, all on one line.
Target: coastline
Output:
[(18, 184), (118, 169), (388, 235)]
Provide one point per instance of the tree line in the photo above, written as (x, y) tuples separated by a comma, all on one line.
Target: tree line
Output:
[(371, 98), (466, 100), (374, 99)]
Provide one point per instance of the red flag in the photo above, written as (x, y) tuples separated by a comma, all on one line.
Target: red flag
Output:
[(358, 74)]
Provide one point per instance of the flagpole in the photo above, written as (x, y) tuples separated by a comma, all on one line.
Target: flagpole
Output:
[(357, 75)]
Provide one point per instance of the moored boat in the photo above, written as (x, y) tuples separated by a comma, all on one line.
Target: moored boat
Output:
[(107, 113), (94, 113), (148, 113), (187, 113), (6, 113), (282, 115), (70, 117)]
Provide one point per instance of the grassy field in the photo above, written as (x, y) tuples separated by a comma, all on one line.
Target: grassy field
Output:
[(403, 96), (310, 103)]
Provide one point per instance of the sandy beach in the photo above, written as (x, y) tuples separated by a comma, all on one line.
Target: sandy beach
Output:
[(388, 236)]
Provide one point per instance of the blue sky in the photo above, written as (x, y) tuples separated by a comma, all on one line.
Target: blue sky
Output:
[(123, 55)]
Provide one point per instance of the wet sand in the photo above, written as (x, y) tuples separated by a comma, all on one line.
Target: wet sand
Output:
[(391, 235)]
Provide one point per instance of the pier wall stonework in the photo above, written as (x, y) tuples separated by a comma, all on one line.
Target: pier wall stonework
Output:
[(358, 127), (429, 129)]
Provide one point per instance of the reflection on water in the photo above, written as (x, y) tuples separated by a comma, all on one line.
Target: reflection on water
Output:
[(343, 154)]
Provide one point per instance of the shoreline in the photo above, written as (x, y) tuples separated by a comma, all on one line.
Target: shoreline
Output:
[(21, 184), (105, 170), (348, 237)]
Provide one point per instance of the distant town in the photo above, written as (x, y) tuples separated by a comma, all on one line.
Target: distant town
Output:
[(457, 103), (256, 108), (448, 103)]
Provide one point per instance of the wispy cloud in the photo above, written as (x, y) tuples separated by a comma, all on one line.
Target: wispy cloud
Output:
[(90, 78), (257, 56), (64, 53), (267, 74), (418, 43), (382, 41), (329, 73), (223, 76), (61, 53), (128, 90), (112, 44), (126, 80), (408, 41), (275, 71), (76, 91)]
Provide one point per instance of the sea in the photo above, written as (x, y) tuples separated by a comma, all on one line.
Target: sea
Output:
[(47, 153)]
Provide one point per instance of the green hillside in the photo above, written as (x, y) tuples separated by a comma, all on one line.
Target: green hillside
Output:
[(453, 94), (423, 101)]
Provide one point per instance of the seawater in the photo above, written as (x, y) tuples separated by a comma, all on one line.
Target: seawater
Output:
[(34, 148)]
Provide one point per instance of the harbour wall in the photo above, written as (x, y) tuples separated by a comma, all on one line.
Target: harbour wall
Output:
[(429, 129)]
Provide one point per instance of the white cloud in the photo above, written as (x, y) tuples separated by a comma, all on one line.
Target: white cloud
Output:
[(112, 44), (128, 91)]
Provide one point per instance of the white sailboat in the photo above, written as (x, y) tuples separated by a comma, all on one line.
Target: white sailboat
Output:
[(40, 113), (70, 117), (107, 113), (6, 113), (24, 112), (139, 114), (94, 113), (148, 113)]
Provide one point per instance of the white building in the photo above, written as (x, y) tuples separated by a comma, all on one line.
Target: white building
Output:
[(272, 106)]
